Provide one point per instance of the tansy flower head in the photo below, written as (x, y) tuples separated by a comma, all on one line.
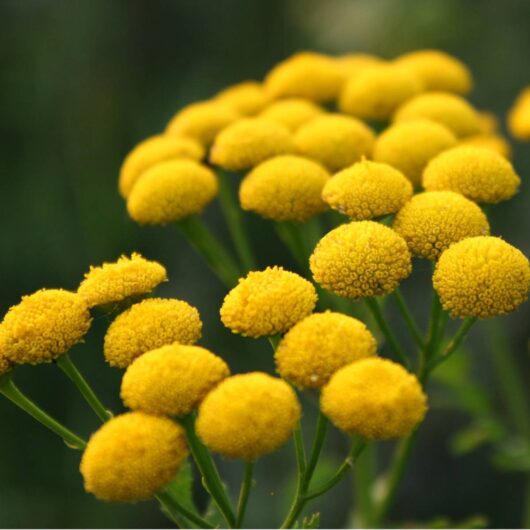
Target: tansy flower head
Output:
[(353, 63), (248, 142), (408, 146), (285, 188), (152, 323), (248, 415), (448, 109), (519, 116), (268, 302), (153, 150), (374, 398), (334, 140), (477, 173), (376, 92), (247, 98), (496, 142), (132, 457), (489, 123), (291, 113), (171, 191), (319, 345), (367, 190), (43, 326), (481, 277), (5, 364), (117, 281), (361, 259), (172, 380), (432, 221)]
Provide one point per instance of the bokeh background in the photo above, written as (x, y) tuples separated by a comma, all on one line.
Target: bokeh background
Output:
[(81, 82)]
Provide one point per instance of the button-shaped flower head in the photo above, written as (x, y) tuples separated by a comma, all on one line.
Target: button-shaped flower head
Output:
[(292, 112), (481, 277), (247, 416), (268, 302), (519, 116), (246, 98), (496, 142)]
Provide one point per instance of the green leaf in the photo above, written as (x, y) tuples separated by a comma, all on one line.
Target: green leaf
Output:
[(312, 521), (182, 486), (481, 432)]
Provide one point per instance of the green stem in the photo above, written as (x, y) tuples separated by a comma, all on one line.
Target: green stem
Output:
[(363, 474), (65, 363), (244, 493), (176, 510), (299, 450), (409, 319), (320, 436), (292, 238), (274, 340)]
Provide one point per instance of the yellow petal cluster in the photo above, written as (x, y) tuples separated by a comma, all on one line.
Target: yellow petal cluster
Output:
[(248, 415), (482, 277), (374, 398), (353, 63), (367, 190), (172, 380), (5, 365), (148, 325), (315, 348), (361, 259), (247, 98), (519, 116), (292, 112), (132, 457), (268, 302), (495, 142)]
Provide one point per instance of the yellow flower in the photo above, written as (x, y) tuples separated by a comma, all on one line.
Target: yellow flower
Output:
[(247, 98), (361, 259), (408, 146), (432, 221), (248, 415), (117, 281), (353, 63), (5, 365), (374, 398), (448, 109), (152, 323), (248, 142), (376, 92), (43, 326), (202, 120), (367, 190), (132, 457), (438, 70), (285, 188), (315, 348), (334, 140), (153, 150), (495, 142), (268, 302), (519, 116), (306, 75), (489, 123), (481, 277), (171, 191), (292, 112), (172, 380), (477, 173)]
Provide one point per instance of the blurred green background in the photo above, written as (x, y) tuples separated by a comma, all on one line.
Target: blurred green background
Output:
[(81, 82)]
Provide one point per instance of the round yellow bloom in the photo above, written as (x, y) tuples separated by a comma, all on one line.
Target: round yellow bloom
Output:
[(117, 281), (477, 173), (172, 380), (292, 112), (248, 415), (202, 120), (334, 140), (489, 123), (353, 63), (153, 150), (367, 190), (519, 116), (361, 259), (306, 75), (376, 92), (171, 191), (374, 398), (247, 98), (315, 348), (481, 277), (132, 457), (495, 142), (432, 221), (248, 142), (448, 109), (268, 302), (409, 146), (285, 188), (43, 326), (438, 70), (152, 323), (5, 365)]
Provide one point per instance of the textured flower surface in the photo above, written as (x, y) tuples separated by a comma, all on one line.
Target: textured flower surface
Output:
[(361, 259), (268, 302), (291, 112), (132, 457), (482, 277), (519, 116), (148, 325), (315, 348), (5, 364), (43, 326), (495, 142), (374, 398), (248, 415), (247, 98)]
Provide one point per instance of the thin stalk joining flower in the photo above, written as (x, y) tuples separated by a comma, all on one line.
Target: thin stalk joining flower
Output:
[(409, 319), (176, 510), (363, 475), (244, 493)]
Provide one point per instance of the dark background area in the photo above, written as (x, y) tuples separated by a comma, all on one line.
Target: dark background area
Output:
[(81, 82)]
